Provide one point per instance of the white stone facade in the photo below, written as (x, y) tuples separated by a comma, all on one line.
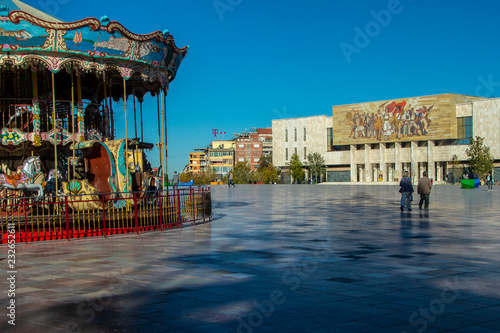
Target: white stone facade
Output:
[(386, 161), (288, 137)]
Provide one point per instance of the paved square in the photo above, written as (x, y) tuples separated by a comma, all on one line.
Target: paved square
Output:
[(277, 258)]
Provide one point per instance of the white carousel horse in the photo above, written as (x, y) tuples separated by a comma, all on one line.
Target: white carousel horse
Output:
[(50, 184), (28, 174)]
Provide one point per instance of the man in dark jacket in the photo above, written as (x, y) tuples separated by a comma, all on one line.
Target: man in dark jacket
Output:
[(424, 189), (175, 180)]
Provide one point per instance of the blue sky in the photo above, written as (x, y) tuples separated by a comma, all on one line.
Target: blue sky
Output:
[(252, 61)]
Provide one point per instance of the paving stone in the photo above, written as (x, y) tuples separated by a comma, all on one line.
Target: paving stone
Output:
[(277, 258)]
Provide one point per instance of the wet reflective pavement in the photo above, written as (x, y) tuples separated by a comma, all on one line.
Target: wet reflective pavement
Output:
[(277, 258)]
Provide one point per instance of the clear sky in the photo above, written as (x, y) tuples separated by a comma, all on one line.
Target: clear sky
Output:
[(252, 61)]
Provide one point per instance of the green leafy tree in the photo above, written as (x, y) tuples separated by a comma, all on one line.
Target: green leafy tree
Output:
[(270, 174), (316, 164), (186, 177), (479, 156), (201, 178), (241, 172), (297, 169), (266, 172), (265, 161)]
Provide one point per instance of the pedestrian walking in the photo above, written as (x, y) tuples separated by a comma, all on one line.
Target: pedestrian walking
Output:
[(230, 179), (424, 189), (175, 180), (406, 190), (489, 181)]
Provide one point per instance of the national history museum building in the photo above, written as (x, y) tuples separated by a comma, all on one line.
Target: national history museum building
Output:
[(378, 141)]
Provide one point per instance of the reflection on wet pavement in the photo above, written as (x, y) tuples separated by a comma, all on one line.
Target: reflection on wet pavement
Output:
[(277, 258)]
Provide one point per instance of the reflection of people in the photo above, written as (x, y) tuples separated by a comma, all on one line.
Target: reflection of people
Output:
[(230, 179), (175, 179), (489, 181), (424, 189), (406, 189)]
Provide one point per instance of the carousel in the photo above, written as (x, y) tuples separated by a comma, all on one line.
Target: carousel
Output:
[(63, 170)]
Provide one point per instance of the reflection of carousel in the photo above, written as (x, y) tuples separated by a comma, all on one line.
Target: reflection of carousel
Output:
[(59, 82)]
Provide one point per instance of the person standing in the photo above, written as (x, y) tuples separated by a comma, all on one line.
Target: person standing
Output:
[(406, 190), (230, 179), (175, 180), (489, 181), (424, 189)]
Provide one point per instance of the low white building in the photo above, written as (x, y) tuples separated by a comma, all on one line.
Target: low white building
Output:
[(377, 141)]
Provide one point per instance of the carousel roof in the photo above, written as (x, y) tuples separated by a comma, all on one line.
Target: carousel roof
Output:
[(29, 37)]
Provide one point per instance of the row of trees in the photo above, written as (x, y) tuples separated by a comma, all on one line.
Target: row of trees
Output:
[(480, 161), (315, 163), (266, 173), (242, 172)]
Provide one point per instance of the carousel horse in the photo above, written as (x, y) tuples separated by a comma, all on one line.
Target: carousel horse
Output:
[(50, 183), (29, 177)]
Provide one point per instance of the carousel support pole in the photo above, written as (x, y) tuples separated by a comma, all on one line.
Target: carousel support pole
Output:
[(135, 112), (125, 112), (135, 125), (72, 121), (112, 115), (142, 132), (54, 125), (106, 116), (161, 140), (165, 136)]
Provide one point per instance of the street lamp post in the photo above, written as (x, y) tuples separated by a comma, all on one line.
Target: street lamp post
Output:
[(453, 159)]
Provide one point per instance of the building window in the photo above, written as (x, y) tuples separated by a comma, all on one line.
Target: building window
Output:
[(464, 130), (286, 135), (341, 148), (305, 153), (295, 151), (305, 134), (286, 154), (329, 139), (422, 143), (295, 134)]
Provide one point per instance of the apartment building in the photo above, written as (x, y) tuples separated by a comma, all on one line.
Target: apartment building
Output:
[(221, 156), (250, 147), (197, 161)]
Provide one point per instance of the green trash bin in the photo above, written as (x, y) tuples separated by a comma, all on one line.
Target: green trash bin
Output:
[(468, 183)]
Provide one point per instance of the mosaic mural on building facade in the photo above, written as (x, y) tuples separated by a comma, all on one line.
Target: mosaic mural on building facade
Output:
[(407, 119)]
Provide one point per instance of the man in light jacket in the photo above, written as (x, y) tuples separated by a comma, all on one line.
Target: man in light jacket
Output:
[(424, 189)]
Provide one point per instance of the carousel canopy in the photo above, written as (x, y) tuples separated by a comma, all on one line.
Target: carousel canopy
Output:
[(31, 38)]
